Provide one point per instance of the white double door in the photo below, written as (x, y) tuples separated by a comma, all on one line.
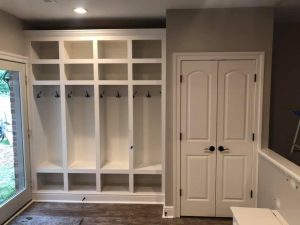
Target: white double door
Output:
[(217, 123)]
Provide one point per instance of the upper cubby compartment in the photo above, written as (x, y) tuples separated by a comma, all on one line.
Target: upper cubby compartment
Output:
[(113, 72), (78, 49), (142, 49), (147, 71), (44, 50), (79, 71), (45, 71), (116, 49)]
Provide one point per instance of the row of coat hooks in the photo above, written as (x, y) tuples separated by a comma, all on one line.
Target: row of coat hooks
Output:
[(57, 95), (87, 94), (148, 95), (40, 93)]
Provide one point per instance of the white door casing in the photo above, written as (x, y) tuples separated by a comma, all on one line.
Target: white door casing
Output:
[(234, 132), (198, 126), (217, 109)]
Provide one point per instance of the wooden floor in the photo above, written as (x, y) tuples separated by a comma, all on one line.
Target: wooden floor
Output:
[(108, 214)]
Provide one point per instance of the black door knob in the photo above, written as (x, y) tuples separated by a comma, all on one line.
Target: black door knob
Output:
[(211, 148), (221, 148)]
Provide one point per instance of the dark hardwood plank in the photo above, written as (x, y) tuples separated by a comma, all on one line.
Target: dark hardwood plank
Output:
[(114, 214)]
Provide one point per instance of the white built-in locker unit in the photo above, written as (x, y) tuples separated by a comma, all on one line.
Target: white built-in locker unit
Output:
[(97, 124)]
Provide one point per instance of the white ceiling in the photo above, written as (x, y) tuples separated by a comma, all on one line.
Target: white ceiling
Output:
[(63, 9)]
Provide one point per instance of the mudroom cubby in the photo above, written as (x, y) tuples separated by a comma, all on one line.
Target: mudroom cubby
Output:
[(44, 50), (46, 127), (147, 71), (114, 127), (146, 49), (112, 49), (78, 49), (50, 181), (113, 71), (80, 126), (115, 182), (98, 113), (45, 72), (147, 128), (79, 71), (82, 182), (147, 183)]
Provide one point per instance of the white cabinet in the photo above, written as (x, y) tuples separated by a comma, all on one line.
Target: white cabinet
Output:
[(97, 116)]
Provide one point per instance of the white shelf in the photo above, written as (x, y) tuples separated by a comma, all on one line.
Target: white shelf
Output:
[(82, 182), (85, 139), (112, 49), (115, 167), (78, 49), (46, 72), (147, 71), (112, 71), (148, 189), (79, 71), (83, 165), (147, 183), (44, 50), (48, 166), (45, 83), (148, 169), (50, 181), (115, 183), (146, 49), (118, 188)]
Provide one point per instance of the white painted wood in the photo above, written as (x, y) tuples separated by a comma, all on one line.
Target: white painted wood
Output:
[(18, 64), (198, 128), (97, 132), (168, 212), (258, 216), (278, 185), (236, 88), (46, 128), (213, 56)]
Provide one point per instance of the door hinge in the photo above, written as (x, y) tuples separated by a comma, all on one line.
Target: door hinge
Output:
[(180, 192), (181, 78), (29, 133), (180, 136), (251, 193), (255, 77), (26, 80), (253, 136)]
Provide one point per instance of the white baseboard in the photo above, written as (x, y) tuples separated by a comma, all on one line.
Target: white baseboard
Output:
[(168, 212), (98, 198)]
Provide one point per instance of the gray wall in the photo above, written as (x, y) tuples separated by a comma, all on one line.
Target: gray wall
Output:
[(285, 90), (273, 184), (216, 30), (12, 37)]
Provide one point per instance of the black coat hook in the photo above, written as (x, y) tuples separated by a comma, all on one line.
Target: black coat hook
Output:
[(56, 94), (102, 95), (118, 95), (134, 94), (39, 94), (70, 94), (148, 95), (87, 95)]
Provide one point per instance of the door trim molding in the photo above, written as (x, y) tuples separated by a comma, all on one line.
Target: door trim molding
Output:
[(13, 57), (211, 56)]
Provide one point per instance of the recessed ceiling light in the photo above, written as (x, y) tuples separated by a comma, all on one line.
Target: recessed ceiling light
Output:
[(80, 10)]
